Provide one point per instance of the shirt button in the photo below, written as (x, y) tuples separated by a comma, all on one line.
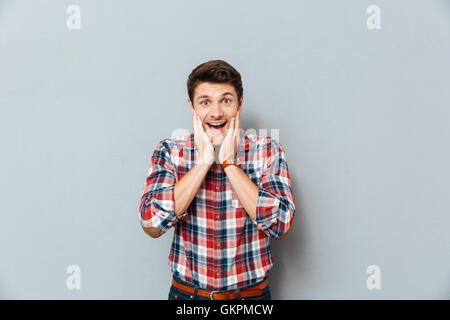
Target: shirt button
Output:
[(217, 273), (217, 188), (217, 217), (218, 244)]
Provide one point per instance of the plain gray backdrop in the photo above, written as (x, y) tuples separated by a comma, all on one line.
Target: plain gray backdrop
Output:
[(363, 115)]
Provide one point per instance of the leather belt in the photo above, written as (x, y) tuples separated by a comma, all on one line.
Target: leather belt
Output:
[(248, 292)]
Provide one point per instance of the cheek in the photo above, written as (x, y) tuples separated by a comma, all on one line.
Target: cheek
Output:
[(231, 115), (201, 112)]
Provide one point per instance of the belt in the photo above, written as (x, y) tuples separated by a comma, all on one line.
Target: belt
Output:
[(252, 291)]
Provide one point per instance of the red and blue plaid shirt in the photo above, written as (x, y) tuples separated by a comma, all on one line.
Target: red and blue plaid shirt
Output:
[(216, 244)]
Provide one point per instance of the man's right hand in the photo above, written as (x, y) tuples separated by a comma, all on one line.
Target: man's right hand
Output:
[(206, 154), (187, 187)]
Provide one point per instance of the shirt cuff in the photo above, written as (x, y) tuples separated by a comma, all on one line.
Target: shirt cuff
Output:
[(266, 209), (163, 215)]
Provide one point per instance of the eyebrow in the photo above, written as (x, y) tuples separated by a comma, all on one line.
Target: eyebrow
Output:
[(223, 94)]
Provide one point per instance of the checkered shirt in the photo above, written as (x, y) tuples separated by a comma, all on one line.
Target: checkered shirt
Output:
[(216, 244)]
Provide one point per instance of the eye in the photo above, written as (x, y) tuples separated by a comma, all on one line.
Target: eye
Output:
[(226, 100), (204, 101)]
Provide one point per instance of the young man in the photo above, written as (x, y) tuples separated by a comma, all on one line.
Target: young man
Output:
[(224, 209)]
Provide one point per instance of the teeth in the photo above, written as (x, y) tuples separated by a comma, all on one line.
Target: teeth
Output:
[(216, 125)]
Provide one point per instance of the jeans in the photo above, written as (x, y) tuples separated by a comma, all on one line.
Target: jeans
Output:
[(176, 294)]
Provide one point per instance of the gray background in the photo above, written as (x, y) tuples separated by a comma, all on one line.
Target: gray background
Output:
[(363, 116)]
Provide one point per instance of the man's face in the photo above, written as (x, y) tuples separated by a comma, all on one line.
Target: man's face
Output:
[(215, 104)]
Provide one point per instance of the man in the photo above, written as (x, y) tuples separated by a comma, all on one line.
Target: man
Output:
[(224, 209)]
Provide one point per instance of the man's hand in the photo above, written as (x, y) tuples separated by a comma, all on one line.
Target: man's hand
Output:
[(229, 145), (206, 154)]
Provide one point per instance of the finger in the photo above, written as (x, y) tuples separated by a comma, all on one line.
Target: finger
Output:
[(230, 131), (238, 120), (194, 123), (200, 125), (194, 116), (237, 124), (206, 139), (233, 140)]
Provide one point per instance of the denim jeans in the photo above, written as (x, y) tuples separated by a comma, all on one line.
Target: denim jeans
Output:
[(176, 294)]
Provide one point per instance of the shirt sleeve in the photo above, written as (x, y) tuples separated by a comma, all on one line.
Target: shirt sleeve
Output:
[(157, 207), (276, 207)]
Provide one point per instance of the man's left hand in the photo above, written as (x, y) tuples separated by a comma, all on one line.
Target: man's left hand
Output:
[(229, 145)]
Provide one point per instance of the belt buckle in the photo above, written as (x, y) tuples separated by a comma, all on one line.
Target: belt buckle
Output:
[(211, 294)]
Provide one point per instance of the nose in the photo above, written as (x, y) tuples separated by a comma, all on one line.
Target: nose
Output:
[(216, 111)]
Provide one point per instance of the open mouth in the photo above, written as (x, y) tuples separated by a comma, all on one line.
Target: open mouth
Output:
[(216, 126)]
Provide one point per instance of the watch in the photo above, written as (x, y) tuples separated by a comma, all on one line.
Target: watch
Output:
[(226, 163)]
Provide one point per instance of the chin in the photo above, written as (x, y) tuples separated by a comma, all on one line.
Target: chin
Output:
[(217, 141)]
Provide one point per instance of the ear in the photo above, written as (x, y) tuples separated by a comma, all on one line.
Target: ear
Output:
[(240, 104), (190, 106)]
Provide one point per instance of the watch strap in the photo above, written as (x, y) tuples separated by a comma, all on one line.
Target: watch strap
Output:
[(226, 163)]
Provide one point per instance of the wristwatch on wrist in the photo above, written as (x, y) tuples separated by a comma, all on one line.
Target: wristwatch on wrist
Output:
[(226, 163)]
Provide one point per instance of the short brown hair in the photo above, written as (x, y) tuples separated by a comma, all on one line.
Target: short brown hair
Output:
[(214, 71)]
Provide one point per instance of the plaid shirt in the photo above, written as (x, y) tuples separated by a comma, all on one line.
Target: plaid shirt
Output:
[(216, 244)]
